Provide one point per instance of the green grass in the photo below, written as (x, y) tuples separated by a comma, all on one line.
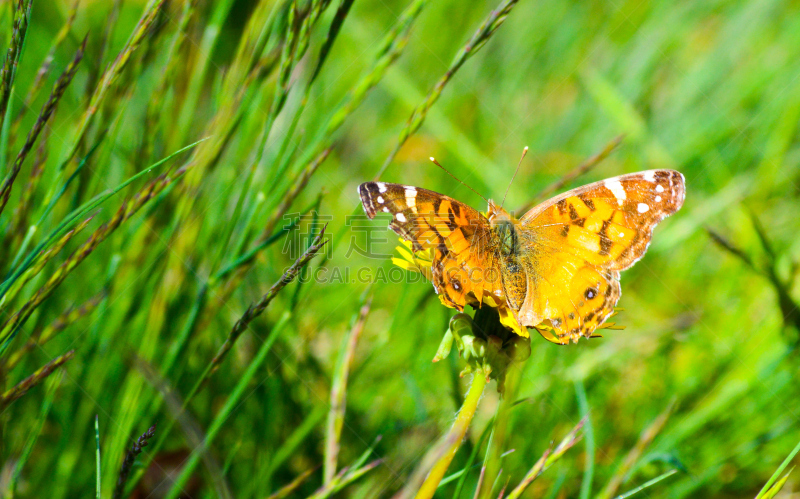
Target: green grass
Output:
[(155, 178)]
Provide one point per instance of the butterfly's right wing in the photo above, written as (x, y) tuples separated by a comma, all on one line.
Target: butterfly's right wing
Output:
[(575, 245), (463, 265)]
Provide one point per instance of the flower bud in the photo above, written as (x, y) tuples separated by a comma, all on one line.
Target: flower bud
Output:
[(518, 349), (461, 325), (444, 347)]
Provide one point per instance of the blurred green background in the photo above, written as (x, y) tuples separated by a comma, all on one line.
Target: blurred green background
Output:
[(711, 89)]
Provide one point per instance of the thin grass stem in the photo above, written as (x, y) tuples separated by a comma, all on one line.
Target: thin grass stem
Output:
[(44, 115), (636, 452), (34, 379), (98, 487), (478, 40), (548, 459)]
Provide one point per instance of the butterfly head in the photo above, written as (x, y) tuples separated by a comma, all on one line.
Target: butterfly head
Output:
[(503, 223)]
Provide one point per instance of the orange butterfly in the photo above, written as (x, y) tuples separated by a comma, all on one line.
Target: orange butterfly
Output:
[(557, 266)]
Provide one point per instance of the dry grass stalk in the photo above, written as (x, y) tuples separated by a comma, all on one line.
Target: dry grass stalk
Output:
[(478, 40), (127, 464), (256, 309), (44, 115), (66, 318), (34, 379), (44, 70), (112, 74), (40, 261), (22, 14)]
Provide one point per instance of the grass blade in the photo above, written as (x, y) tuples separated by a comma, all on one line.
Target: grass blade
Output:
[(339, 393), (289, 488), (636, 452), (52, 385), (647, 484), (774, 478), (140, 199), (230, 404), (341, 481), (769, 494), (462, 475), (294, 440), (97, 454), (253, 311), (588, 474)]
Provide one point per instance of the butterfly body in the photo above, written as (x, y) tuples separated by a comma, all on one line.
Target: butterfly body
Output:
[(556, 266), (504, 227)]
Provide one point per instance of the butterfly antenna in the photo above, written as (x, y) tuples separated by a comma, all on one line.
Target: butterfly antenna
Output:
[(457, 179), (524, 152)]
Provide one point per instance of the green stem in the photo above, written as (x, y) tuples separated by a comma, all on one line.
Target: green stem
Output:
[(455, 436), (588, 474), (497, 440)]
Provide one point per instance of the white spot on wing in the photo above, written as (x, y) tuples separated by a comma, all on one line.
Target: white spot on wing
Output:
[(386, 209), (658, 199), (380, 199), (400, 217), (650, 176), (642, 208), (411, 197), (617, 190), (659, 188), (381, 187)]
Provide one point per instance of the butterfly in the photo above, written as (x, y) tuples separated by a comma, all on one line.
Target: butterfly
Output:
[(557, 267)]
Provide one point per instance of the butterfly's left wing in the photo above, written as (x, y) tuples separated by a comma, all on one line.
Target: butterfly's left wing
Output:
[(459, 236), (575, 244)]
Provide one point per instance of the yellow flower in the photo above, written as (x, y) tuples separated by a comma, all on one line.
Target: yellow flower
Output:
[(414, 261), (507, 317)]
